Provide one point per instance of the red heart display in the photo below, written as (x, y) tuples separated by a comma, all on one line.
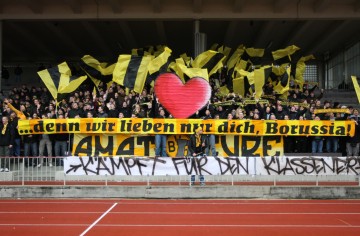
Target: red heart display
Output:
[(182, 100)]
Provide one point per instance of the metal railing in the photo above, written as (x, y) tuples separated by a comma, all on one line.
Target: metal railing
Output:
[(26, 171)]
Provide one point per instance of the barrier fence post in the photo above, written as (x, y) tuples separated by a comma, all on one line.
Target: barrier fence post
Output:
[(317, 180), (59, 161), (274, 180), (148, 180), (23, 173)]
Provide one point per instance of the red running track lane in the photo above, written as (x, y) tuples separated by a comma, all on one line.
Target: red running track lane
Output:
[(180, 217)]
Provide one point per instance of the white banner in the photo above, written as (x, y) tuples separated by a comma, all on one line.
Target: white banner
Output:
[(206, 165), (314, 165)]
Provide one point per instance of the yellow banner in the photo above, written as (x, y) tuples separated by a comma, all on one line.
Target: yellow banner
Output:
[(268, 97), (318, 111), (307, 105), (187, 126), (253, 101), (126, 145)]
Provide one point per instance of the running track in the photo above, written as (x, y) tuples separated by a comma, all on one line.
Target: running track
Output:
[(180, 217)]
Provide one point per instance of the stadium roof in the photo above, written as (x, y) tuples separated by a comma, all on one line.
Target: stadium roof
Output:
[(46, 31)]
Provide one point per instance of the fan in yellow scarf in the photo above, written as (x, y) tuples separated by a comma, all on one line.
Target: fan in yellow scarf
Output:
[(196, 147), (198, 133), (4, 129)]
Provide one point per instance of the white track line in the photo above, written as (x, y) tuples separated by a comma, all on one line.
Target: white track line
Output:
[(51, 202), (96, 221), (249, 225), (237, 203), (187, 225), (345, 222), (188, 213)]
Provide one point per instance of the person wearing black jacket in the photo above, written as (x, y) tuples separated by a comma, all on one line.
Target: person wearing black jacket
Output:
[(61, 145), (196, 147), (352, 143), (210, 137), (7, 136), (75, 111), (30, 149), (160, 139), (17, 139)]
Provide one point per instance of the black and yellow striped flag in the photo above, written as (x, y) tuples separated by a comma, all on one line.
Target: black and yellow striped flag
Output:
[(239, 85), (185, 73), (281, 84), (253, 55), (194, 72), (300, 70), (235, 57), (160, 63), (188, 60), (356, 86), (175, 67), (261, 76), (222, 49), (59, 81), (131, 71), (210, 60), (96, 71), (226, 51), (243, 83), (250, 57), (242, 86)]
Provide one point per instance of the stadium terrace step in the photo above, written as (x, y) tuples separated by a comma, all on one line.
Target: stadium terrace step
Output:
[(343, 97)]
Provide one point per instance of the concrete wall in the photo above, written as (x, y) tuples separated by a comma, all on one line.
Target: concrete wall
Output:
[(183, 192)]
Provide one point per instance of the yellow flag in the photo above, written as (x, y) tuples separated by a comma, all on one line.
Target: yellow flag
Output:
[(174, 67), (96, 71), (131, 71), (159, 61), (194, 72), (101, 67), (210, 60), (241, 65), (238, 85), (255, 52), (300, 70), (286, 52), (282, 86), (226, 51), (187, 60), (59, 80), (356, 87), (243, 83), (235, 57), (223, 91), (260, 77)]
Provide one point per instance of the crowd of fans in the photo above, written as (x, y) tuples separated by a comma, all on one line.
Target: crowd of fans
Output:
[(115, 102)]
